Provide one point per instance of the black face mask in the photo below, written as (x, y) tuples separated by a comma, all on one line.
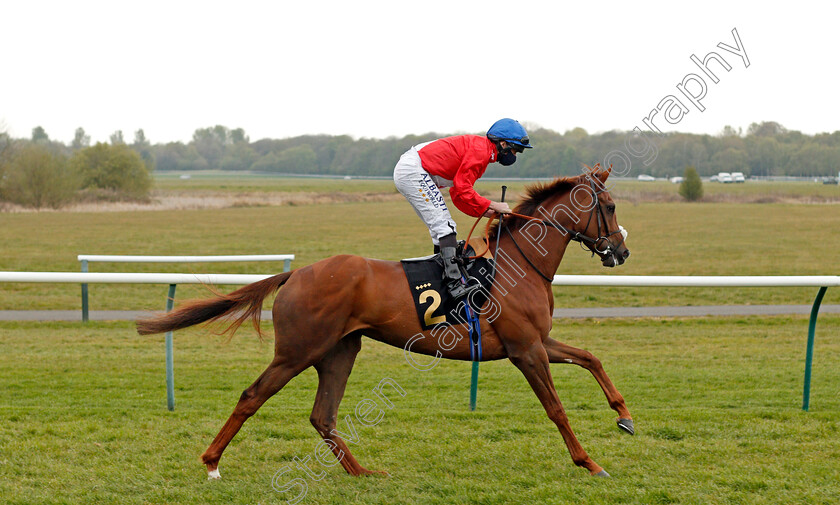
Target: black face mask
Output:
[(507, 158)]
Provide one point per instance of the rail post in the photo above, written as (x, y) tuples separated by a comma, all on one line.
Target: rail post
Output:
[(170, 366), (85, 314), (809, 353)]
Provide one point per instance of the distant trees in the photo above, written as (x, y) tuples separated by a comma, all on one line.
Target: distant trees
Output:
[(177, 156), (730, 159), (37, 176), (691, 188), (298, 159), (115, 169), (39, 135), (144, 148), (210, 144), (34, 172), (5, 144), (80, 139), (220, 148), (765, 149)]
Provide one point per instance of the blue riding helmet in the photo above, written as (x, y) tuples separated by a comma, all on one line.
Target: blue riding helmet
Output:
[(510, 131)]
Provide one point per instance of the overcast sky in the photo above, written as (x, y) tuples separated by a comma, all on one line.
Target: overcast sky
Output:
[(377, 69)]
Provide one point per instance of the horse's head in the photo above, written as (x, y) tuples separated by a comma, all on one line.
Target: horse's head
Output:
[(597, 224), (580, 208)]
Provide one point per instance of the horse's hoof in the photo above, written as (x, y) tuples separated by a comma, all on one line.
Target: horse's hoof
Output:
[(626, 425), (214, 475), (602, 473), (365, 472)]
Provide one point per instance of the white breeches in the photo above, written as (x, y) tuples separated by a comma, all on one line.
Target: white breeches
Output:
[(422, 191)]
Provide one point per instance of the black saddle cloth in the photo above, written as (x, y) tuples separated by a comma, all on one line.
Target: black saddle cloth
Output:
[(432, 300)]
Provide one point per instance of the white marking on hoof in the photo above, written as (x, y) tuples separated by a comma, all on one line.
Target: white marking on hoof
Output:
[(214, 475)]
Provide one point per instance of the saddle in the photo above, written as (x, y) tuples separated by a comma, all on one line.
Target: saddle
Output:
[(432, 301)]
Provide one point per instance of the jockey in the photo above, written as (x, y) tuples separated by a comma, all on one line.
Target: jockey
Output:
[(456, 162)]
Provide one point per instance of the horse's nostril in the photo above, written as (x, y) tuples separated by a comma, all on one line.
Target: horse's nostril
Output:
[(626, 254)]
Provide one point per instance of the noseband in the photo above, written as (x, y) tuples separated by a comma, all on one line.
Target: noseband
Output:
[(576, 236), (602, 218)]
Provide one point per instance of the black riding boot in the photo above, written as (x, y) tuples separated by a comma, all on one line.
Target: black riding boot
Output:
[(452, 273), (451, 269)]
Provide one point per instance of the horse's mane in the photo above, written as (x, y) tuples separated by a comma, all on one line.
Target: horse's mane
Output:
[(535, 194)]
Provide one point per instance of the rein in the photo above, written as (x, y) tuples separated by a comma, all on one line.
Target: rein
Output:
[(575, 236), (549, 279)]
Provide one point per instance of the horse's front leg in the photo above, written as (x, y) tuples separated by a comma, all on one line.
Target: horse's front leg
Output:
[(533, 363), (559, 352)]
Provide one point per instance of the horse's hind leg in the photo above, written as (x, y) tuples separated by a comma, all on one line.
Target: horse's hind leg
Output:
[(333, 372), (272, 380), (559, 352)]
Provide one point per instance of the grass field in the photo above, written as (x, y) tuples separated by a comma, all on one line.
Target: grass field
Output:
[(716, 400), (716, 403), (665, 238), (753, 191)]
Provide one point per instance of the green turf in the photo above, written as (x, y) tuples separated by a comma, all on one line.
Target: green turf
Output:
[(665, 239), (226, 181), (716, 400), (752, 191), (716, 403)]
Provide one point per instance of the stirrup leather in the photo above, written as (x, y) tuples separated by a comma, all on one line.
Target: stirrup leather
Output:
[(453, 276)]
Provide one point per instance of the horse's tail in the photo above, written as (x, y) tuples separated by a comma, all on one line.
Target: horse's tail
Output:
[(247, 299)]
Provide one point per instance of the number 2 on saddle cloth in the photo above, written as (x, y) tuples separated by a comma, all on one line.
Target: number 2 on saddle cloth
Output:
[(435, 306)]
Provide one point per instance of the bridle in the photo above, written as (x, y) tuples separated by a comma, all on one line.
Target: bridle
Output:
[(584, 240)]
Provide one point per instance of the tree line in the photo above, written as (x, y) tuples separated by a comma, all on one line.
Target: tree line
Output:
[(765, 149), (42, 173)]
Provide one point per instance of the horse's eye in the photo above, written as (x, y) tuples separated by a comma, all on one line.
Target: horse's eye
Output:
[(611, 208)]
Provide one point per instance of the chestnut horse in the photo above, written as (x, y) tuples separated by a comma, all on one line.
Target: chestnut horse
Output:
[(324, 309)]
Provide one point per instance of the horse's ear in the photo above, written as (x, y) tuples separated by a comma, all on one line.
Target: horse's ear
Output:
[(590, 172), (603, 174)]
